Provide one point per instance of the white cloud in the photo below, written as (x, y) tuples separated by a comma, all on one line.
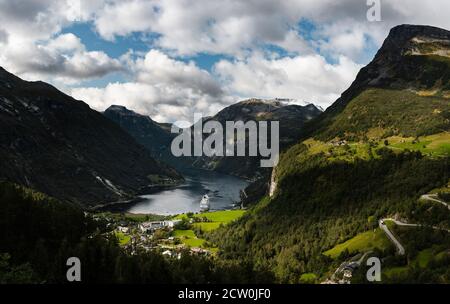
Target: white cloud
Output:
[(125, 17), (188, 27), (309, 78), (63, 59), (233, 27), (33, 47), (165, 88), (157, 68)]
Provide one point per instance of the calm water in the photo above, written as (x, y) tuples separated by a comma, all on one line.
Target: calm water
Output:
[(222, 189)]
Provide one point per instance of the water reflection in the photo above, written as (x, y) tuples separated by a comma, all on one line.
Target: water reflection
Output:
[(222, 189)]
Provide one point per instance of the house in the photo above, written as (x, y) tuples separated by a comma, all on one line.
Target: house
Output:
[(199, 251), (171, 224), (123, 229), (349, 269), (167, 253), (151, 226), (338, 143), (348, 274)]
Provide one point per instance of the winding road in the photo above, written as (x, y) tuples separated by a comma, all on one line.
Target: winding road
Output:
[(391, 236), (394, 240), (434, 198), (384, 227)]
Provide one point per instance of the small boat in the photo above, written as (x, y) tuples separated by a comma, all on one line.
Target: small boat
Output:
[(204, 203)]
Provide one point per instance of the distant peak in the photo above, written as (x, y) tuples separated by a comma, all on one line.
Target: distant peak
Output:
[(122, 110), (407, 39), (277, 102), (117, 108), (408, 31)]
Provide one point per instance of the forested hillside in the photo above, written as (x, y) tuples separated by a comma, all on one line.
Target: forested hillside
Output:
[(38, 234), (371, 155)]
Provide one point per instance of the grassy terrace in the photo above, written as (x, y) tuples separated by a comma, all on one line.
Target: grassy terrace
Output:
[(124, 239), (361, 243), (434, 145), (437, 145), (215, 219)]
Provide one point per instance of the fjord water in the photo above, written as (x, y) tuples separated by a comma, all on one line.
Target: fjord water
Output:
[(222, 189)]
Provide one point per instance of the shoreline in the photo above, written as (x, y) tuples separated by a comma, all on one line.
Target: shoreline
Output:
[(151, 189), (123, 204)]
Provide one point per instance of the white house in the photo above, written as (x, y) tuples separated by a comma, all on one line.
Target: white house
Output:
[(123, 229), (152, 226), (171, 224)]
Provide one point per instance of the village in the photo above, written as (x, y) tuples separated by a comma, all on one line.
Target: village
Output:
[(170, 236)]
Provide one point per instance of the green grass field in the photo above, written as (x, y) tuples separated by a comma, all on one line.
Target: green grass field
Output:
[(225, 216), (123, 238), (360, 243), (216, 219), (207, 226), (193, 242), (436, 145), (308, 278), (188, 238), (183, 233)]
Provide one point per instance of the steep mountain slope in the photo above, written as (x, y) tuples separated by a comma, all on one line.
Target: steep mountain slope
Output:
[(58, 145), (291, 118), (372, 154), (156, 137), (404, 91)]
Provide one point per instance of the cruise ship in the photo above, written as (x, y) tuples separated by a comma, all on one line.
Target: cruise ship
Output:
[(204, 203)]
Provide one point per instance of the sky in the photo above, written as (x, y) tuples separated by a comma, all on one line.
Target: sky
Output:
[(171, 58)]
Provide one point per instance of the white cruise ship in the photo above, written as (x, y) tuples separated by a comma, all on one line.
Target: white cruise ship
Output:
[(204, 203)]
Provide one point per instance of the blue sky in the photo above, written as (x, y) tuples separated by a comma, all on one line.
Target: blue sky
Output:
[(171, 58)]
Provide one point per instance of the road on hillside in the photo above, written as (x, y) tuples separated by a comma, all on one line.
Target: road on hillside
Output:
[(434, 198), (383, 226), (400, 248)]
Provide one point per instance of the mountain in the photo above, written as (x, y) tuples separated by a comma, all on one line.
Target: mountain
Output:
[(404, 91), (370, 156), (58, 145), (291, 118), (156, 137)]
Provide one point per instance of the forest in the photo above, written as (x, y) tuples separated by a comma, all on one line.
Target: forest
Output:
[(38, 234), (321, 203)]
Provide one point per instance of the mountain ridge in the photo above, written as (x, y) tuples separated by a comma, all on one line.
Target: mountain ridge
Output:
[(60, 146), (373, 153), (397, 67)]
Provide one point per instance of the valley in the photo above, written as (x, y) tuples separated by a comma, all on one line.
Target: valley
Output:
[(224, 192), (367, 177)]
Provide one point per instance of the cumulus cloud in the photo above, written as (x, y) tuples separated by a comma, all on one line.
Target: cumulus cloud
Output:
[(317, 64), (125, 17), (165, 88), (63, 58), (232, 27), (187, 27), (310, 78), (157, 68)]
